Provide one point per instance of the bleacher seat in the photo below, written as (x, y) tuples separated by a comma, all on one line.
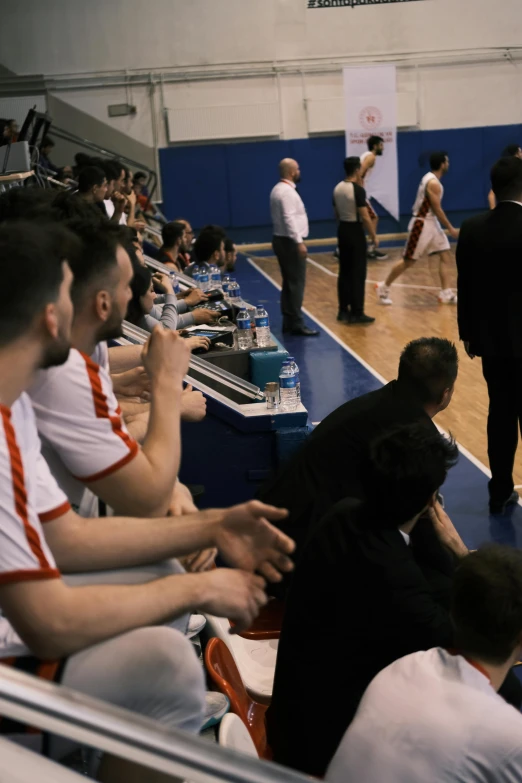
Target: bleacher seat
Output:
[(225, 675), (233, 734)]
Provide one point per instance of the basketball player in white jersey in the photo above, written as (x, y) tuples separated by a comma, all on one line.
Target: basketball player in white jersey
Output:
[(368, 161), (426, 235)]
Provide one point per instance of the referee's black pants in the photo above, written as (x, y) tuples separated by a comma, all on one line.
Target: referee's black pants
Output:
[(352, 267), (503, 376), (293, 272)]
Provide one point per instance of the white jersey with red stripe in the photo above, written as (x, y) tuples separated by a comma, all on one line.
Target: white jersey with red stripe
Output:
[(422, 207), (29, 495), (81, 426)]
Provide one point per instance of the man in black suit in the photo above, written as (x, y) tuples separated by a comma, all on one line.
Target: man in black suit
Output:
[(334, 460), (489, 264), (370, 587)]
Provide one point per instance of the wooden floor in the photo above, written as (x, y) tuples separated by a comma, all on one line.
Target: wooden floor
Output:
[(415, 313)]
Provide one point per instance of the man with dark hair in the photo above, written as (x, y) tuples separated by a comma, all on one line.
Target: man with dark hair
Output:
[(436, 715), (366, 591), (209, 248), (46, 147), (172, 252), (334, 460), (351, 210), (92, 185), (107, 640), (511, 151), (368, 160), (490, 319), (426, 236)]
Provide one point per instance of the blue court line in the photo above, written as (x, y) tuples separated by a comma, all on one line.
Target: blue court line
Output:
[(331, 374)]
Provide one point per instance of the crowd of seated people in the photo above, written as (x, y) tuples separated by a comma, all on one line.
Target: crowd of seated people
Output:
[(397, 647)]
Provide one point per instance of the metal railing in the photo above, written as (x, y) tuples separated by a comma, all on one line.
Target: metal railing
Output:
[(96, 724), (152, 181)]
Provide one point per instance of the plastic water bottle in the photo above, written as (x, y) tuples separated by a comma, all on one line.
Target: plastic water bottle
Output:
[(287, 390), (262, 327), (175, 284), (295, 368), (195, 274), (204, 278), (244, 331), (225, 285), (215, 277), (234, 292)]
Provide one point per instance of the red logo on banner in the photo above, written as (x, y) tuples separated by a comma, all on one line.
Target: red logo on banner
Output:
[(370, 118)]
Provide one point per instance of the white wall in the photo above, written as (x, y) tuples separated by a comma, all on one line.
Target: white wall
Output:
[(64, 37)]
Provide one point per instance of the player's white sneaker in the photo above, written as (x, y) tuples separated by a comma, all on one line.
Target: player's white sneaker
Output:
[(447, 296), (383, 293)]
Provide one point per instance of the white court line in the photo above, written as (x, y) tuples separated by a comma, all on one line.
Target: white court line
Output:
[(373, 282), (478, 464)]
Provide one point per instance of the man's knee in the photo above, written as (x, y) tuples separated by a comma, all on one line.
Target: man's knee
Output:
[(409, 262)]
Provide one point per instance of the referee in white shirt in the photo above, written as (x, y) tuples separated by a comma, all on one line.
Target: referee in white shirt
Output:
[(290, 224)]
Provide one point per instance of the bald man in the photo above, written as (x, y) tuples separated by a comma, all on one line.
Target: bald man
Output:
[(290, 224)]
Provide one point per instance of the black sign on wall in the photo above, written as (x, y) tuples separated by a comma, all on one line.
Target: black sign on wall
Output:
[(353, 3)]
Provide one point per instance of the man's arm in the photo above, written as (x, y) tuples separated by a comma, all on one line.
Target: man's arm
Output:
[(125, 357), (55, 620), (434, 192), (289, 212), (132, 383), (144, 485), (368, 225)]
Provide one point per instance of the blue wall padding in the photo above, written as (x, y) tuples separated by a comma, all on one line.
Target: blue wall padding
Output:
[(229, 184)]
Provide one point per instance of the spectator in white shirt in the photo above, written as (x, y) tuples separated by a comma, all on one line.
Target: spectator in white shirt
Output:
[(290, 229), (436, 715)]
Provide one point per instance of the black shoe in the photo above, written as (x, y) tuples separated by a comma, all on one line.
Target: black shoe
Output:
[(304, 331), (501, 506), (343, 316), (361, 319)]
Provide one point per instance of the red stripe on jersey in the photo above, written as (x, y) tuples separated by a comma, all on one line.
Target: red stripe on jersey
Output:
[(101, 407), (19, 491), (54, 513), (424, 208)]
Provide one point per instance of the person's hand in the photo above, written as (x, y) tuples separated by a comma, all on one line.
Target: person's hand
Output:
[(193, 405), (166, 354), (198, 341), (194, 297), (132, 383), (246, 539), (162, 283), (140, 225), (234, 594), (466, 348), (446, 532), (131, 198), (454, 232), (302, 250), (119, 200), (204, 316), (181, 501), (199, 561)]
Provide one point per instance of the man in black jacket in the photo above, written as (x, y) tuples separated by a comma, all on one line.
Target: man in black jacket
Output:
[(489, 263), (370, 587), (333, 462)]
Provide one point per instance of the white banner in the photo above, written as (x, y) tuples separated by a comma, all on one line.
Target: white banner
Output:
[(370, 95)]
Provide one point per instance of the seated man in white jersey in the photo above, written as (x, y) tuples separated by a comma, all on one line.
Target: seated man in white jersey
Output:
[(368, 161), (436, 715), (105, 640), (426, 236)]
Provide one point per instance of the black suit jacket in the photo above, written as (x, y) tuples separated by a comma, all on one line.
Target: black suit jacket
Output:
[(361, 598), (334, 461), (489, 264)]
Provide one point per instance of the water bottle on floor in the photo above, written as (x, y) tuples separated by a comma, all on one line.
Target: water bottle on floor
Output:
[(262, 327), (244, 330), (295, 368), (287, 390), (204, 278), (215, 277)]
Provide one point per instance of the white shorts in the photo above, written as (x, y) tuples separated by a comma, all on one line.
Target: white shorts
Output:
[(425, 238)]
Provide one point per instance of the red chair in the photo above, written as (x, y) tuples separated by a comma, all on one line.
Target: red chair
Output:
[(225, 675), (268, 623)]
